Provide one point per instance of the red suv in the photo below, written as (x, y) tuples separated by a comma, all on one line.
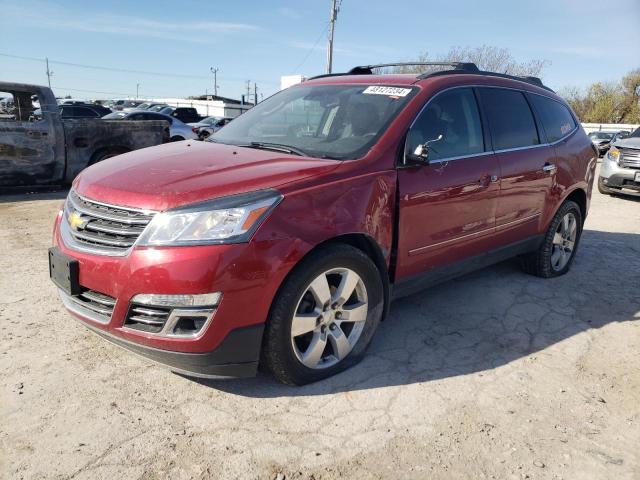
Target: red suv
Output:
[(283, 238)]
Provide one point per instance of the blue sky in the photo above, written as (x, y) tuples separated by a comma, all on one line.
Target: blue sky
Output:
[(584, 40)]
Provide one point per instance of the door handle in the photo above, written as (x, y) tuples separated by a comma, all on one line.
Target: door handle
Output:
[(33, 134), (549, 167)]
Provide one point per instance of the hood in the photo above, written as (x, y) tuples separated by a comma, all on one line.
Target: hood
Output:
[(600, 141), (181, 173), (629, 142)]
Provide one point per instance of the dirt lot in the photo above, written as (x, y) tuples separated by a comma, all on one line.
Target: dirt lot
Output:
[(494, 375)]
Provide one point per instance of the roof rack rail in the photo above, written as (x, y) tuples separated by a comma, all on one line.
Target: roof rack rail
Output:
[(368, 69), (458, 67), (527, 79)]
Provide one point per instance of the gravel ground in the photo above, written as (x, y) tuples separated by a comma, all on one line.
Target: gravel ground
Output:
[(494, 375)]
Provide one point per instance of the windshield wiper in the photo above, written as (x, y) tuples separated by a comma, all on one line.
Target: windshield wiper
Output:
[(277, 147)]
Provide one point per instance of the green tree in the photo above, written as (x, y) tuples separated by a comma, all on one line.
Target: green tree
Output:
[(607, 102)]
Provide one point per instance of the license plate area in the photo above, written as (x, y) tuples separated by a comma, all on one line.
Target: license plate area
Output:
[(637, 177), (64, 272)]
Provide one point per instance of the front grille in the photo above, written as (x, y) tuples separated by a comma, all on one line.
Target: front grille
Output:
[(147, 319), (630, 157), (98, 303), (104, 227)]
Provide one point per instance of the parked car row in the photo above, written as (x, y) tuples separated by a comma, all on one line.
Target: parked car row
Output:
[(603, 140), (178, 130)]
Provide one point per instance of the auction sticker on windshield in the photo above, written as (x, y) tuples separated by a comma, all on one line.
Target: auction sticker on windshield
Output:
[(392, 91)]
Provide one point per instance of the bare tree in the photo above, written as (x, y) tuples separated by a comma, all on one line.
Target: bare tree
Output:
[(486, 57)]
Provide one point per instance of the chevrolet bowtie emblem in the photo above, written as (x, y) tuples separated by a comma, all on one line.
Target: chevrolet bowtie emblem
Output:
[(76, 222)]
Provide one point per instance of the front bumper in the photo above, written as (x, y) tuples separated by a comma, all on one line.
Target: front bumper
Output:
[(235, 357), (615, 176), (248, 275)]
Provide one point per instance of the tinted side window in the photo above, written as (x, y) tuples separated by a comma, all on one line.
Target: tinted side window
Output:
[(510, 118), (454, 115), (556, 118)]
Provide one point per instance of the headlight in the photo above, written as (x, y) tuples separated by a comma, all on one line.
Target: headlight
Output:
[(230, 219), (614, 154)]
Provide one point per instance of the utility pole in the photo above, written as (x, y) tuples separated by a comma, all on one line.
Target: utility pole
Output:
[(137, 90), (248, 90), (49, 72), (215, 80), (332, 20), (255, 93)]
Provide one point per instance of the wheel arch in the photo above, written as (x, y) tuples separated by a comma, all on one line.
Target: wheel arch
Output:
[(579, 196), (117, 150), (362, 242)]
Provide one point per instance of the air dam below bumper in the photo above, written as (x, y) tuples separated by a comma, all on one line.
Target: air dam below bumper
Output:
[(236, 357)]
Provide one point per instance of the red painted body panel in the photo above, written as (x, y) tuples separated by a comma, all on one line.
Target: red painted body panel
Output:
[(446, 212), (446, 209), (180, 173)]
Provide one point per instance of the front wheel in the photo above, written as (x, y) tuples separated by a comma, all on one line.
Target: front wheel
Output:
[(324, 315), (557, 251)]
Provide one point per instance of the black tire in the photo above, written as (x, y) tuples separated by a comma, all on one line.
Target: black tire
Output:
[(103, 155), (278, 354), (538, 263), (177, 138)]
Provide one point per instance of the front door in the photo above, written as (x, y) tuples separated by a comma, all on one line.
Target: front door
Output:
[(28, 144), (448, 206)]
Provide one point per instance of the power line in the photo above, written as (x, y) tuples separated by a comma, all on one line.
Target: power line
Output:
[(121, 70), (324, 30)]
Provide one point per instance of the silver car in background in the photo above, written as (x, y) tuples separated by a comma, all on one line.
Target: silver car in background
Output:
[(177, 129), (620, 169), (209, 125)]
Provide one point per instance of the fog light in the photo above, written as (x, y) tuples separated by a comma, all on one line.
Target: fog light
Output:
[(160, 300)]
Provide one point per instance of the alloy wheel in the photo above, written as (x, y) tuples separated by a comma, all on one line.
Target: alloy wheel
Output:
[(564, 241), (329, 318)]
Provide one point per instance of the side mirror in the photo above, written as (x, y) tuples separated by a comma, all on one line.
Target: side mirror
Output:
[(421, 152)]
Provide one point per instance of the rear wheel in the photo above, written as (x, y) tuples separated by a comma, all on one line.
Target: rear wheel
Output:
[(176, 138), (557, 251), (324, 316), (104, 154)]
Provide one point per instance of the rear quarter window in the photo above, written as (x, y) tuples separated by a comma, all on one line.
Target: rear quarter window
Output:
[(556, 118), (510, 118)]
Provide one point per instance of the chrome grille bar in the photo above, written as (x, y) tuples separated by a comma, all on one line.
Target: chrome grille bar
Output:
[(102, 228)]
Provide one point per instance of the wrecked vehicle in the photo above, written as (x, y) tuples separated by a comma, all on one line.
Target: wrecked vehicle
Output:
[(282, 239), (49, 150)]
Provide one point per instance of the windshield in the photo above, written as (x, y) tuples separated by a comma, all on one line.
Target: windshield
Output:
[(327, 121), (636, 133), (601, 135)]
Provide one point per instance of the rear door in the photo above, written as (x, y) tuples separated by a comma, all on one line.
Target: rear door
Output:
[(447, 207), (526, 163)]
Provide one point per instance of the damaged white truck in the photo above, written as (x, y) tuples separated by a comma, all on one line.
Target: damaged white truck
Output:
[(44, 149)]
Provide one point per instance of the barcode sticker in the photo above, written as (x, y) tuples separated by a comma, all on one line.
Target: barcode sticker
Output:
[(391, 91)]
